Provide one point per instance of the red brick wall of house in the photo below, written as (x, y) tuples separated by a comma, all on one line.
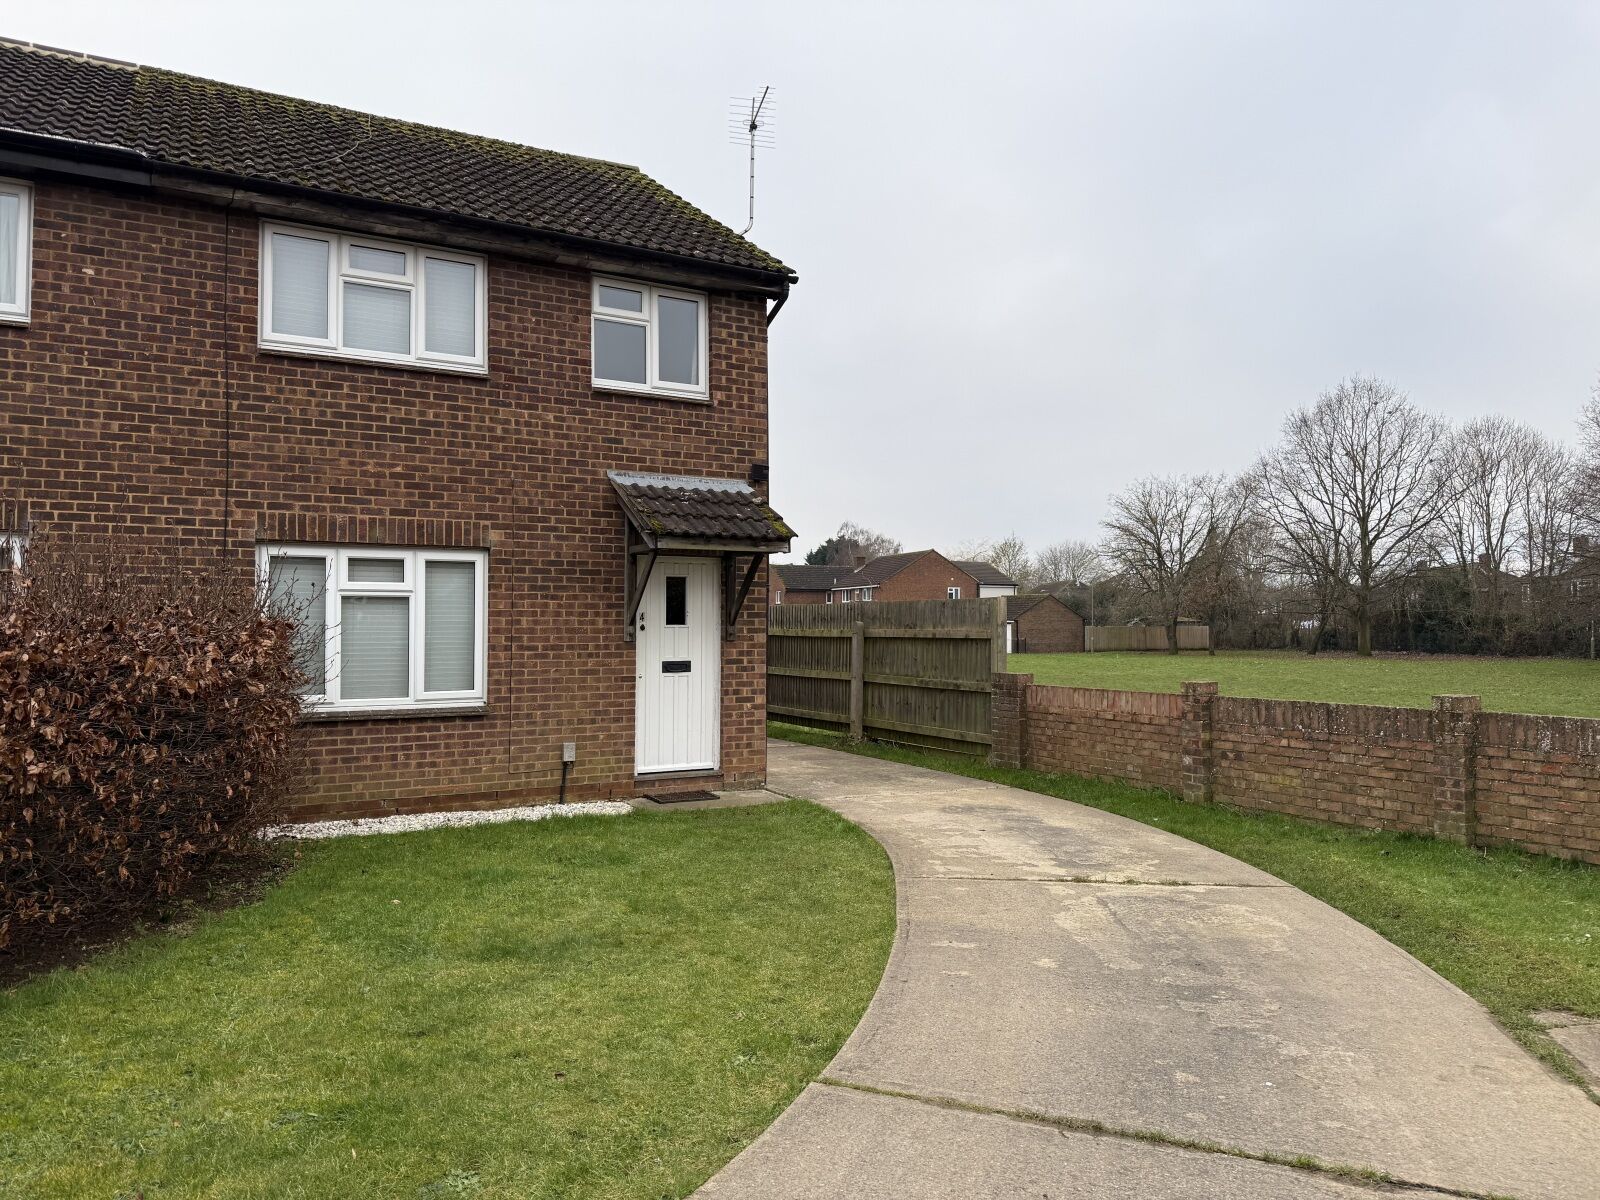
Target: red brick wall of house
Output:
[(1050, 627), (927, 579), (1453, 772), (800, 596), (113, 419)]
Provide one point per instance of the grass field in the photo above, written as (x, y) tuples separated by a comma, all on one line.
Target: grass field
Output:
[(1563, 686), (589, 1007), (1518, 932)]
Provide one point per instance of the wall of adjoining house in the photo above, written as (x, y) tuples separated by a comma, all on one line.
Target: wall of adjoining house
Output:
[(115, 420), (1451, 771), (927, 578)]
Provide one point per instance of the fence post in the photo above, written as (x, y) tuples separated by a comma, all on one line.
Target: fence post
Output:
[(1199, 752), (1455, 792), (858, 679), (1008, 717)]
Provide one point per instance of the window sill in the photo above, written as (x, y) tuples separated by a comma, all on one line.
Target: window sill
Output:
[(410, 712), (644, 393), (430, 368), (14, 318)]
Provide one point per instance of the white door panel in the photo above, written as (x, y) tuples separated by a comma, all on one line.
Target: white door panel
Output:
[(677, 723)]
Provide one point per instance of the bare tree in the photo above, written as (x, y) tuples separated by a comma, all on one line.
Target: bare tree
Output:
[(850, 542), (1492, 461), (1010, 556), (1155, 532), (1356, 488), (1071, 561), (1219, 569)]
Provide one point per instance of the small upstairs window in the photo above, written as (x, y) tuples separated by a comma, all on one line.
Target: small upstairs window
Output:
[(649, 339), (364, 298), (953, 593), (16, 250)]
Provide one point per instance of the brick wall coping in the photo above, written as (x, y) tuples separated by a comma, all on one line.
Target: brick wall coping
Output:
[(1353, 720), (1049, 698), (1541, 734)]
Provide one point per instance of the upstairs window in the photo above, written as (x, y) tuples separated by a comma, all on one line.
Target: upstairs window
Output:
[(649, 339), (356, 297), (16, 245), (953, 593)]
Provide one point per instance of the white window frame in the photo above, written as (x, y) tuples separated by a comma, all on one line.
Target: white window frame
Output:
[(653, 294), (18, 313), (953, 592), (414, 281), (338, 587)]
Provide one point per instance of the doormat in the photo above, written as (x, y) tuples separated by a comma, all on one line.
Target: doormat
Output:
[(680, 797)]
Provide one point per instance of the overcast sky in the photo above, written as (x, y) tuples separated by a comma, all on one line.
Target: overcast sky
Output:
[(1042, 249)]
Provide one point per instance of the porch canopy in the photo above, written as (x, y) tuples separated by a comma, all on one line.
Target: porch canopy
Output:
[(692, 514)]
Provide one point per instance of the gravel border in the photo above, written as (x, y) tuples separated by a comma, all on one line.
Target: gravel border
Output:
[(314, 830)]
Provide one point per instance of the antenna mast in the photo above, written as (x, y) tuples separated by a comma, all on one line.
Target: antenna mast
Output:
[(750, 120)]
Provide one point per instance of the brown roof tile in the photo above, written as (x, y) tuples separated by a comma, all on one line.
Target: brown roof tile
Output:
[(693, 508), (184, 121)]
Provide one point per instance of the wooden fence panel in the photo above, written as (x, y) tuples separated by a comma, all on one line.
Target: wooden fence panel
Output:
[(1098, 638), (914, 671)]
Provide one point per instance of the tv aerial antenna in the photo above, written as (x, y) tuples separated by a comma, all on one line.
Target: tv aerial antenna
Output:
[(750, 122)]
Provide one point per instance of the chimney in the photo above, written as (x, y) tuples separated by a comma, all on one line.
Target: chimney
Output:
[(1483, 559), (857, 561), (1580, 543)]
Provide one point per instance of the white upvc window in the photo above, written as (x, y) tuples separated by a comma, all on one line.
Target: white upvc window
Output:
[(953, 593), (648, 338), (347, 296), (16, 250), (777, 597), (383, 628)]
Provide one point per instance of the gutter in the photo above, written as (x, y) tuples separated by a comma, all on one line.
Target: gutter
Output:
[(72, 157)]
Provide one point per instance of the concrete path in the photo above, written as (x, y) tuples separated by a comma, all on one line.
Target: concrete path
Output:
[(1078, 1005)]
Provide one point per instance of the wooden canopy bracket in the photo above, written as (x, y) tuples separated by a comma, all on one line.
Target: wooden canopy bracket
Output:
[(634, 582), (735, 599)]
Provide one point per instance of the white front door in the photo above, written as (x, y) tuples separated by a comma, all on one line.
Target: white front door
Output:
[(677, 723)]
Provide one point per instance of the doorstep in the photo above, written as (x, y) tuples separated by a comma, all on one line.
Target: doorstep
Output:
[(743, 798)]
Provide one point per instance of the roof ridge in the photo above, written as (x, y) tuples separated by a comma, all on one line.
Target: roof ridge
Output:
[(74, 55), (185, 77), (189, 120)]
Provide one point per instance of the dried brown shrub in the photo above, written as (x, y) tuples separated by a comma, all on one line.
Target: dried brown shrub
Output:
[(148, 729)]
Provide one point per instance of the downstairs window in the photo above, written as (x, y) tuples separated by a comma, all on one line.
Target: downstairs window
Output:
[(383, 628)]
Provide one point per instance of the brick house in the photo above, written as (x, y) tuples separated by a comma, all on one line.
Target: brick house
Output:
[(493, 418), (801, 583), (913, 575), (1042, 624)]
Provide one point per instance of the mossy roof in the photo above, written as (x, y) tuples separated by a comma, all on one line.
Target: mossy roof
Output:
[(185, 121)]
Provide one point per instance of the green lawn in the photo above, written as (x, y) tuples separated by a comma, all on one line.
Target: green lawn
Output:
[(1518, 932), (596, 1007), (1564, 686)]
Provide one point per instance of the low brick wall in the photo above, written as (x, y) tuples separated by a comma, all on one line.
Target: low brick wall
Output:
[(1451, 771)]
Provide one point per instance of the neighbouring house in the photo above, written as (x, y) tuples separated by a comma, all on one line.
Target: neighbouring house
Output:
[(912, 575), (991, 580), (493, 418), (1042, 624), (801, 583)]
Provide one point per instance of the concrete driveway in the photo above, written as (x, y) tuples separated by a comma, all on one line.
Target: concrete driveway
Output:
[(1078, 1005)]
